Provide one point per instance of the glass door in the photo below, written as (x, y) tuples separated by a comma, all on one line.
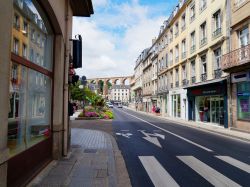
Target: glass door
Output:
[(217, 110)]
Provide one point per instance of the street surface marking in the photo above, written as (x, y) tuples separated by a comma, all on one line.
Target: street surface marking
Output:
[(158, 175), (126, 135), (153, 139), (124, 130), (208, 173), (176, 135), (236, 163)]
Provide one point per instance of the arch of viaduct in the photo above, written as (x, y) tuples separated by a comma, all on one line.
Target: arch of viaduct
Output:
[(112, 80)]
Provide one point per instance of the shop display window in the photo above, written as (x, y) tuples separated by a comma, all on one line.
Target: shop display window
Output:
[(210, 109), (30, 91), (243, 101)]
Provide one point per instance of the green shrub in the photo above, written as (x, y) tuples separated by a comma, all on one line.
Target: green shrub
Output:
[(81, 114), (109, 114)]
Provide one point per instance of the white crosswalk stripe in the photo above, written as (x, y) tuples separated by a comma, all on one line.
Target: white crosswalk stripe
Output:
[(158, 175), (236, 163), (210, 174)]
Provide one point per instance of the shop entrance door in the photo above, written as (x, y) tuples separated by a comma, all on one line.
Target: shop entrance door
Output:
[(217, 108)]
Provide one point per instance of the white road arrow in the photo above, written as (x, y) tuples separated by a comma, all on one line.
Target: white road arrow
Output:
[(153, 139), (126, 135)]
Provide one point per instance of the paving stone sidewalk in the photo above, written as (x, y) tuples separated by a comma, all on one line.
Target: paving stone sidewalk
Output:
[(92, 162)]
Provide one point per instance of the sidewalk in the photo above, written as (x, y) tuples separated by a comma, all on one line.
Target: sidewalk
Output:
[(95, 160), (202, 126)]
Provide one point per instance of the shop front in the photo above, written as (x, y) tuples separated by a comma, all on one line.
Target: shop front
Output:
[(178, 104), (147, 104), (208, 103), (241, 100), (34, 55)]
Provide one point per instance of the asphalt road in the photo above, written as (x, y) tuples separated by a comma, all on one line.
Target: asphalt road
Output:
[(160, 153)]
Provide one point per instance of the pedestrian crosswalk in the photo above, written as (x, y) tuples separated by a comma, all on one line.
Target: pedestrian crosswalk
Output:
[(161, 178)]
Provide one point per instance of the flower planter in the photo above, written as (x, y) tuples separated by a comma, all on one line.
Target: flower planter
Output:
[(87, 118)]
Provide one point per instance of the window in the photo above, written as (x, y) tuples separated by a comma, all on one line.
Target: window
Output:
[(184, 73), (243, 101), (204, 64), (192, 42), (33, 37), (171, 35), (30, 89), (25, 28), (203, 4), (217, 58), (193, 68), (176, 54), (176, 29), (183, 22), (183, 48), (243, 37), (203, 34), (16, 46), (24, 51), (217, 23), (192, 13), (171, 57), (16, 22), (176, 74)]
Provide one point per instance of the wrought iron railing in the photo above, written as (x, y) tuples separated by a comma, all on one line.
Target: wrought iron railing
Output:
[(203, 41), (183, 55), (185, 82), (177, 84), (203, 77), (216, 32), (235, 58), (217, 73), (193, 79), (192, 49)]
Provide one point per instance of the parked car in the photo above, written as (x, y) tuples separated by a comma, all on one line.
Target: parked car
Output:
[(110, 105), (119, 105)]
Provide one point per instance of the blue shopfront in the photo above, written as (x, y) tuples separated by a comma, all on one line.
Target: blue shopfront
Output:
[(208, 103)]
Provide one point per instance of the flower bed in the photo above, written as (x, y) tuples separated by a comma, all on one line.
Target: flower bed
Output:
[(90, 112)]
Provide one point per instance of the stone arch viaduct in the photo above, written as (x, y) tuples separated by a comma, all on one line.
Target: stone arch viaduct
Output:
[(112, 80)]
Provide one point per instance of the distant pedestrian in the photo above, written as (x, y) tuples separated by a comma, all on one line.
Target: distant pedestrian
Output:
[(153, 109)]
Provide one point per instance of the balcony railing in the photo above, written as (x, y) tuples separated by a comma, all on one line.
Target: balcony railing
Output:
[(203, 77), (193, 79), (183, 55), (192, 49), (217, 32), (217, 73), (185, 82), (237, 57), (177, 84), (203, 41)]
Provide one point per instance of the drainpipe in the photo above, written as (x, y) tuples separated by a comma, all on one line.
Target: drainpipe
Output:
[(229, 48), (65, 89)]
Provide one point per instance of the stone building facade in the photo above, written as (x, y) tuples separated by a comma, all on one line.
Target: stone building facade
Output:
[(35, 50)]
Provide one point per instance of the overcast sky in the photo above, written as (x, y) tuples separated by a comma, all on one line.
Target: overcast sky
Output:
[(117, 32)]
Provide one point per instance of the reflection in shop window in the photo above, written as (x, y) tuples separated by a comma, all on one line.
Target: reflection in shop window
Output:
[(30, 91), (243, 99)]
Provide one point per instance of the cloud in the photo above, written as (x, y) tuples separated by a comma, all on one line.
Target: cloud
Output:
[(114, 37)]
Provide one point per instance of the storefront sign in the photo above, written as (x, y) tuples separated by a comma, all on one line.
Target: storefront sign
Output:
[(243, 94), (206, 91)]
